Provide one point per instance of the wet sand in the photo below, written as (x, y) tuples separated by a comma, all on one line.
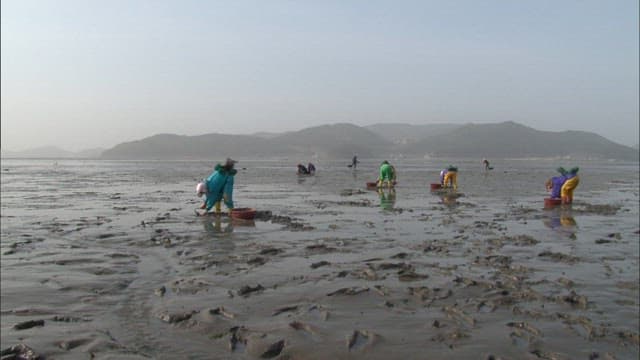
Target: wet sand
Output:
[(106, 260)]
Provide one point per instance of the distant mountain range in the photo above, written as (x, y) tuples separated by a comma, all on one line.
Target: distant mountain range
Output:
[(500, 140), (408, 133), (168, 146), (52, 152), (342, 141), (513, 140)]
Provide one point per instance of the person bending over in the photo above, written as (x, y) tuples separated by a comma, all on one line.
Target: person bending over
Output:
[(451, 178), (218, 187), (387, 175), (566, 193), (302, 170)]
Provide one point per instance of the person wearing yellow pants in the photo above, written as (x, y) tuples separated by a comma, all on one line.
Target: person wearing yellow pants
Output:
[(451, 178), (566, 193), (387, 175)]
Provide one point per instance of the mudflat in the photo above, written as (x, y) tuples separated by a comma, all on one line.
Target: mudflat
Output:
[(106, 260)]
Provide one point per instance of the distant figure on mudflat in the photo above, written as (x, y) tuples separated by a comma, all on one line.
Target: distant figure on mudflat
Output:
[(302, 170), (486, 164), (311, 169), (354, 161)]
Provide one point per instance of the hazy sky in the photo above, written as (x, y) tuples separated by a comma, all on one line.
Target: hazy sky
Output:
[(84, 74)]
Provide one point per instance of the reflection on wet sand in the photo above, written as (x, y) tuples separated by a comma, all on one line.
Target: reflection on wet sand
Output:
[(449, 199), (218, 225), (213, 226), (243, 223), (561, 219), (387, 198)]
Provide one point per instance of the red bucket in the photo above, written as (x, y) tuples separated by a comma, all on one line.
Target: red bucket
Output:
[(243, 213), (551, 202), (436, 186), (372, 185)]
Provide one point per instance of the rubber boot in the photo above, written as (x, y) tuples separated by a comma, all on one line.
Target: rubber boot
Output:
[(217, 208)]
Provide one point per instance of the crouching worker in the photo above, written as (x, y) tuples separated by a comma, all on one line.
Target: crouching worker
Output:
[(311, 168), (387, 175), (566, 193), (302, 170), (451, 178), (443, 173), (218, 187), (554, 184)]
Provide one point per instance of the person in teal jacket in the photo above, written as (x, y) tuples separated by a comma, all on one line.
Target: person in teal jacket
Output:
[(219, 186)]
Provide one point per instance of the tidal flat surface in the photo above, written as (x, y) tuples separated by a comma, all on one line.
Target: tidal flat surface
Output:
[(106, 260)]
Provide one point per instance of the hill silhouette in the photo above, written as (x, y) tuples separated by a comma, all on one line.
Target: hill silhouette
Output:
[(513, 140), (341, 141), (409, 133), (169, 146), (335, 141), (328, 141), (52, 152)]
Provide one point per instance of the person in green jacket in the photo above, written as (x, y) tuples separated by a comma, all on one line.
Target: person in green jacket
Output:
[(387, 175)]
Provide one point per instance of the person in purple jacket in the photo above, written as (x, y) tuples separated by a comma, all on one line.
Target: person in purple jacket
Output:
[(554, 185)]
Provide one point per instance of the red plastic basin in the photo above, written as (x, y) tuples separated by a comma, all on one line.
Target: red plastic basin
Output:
[(551, 202), (436, 186), (243, 213), (372, 185)]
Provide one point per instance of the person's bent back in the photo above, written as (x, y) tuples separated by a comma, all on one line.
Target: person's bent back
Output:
[(302, 170), (387, 174), (451, 177), (219, 186)]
